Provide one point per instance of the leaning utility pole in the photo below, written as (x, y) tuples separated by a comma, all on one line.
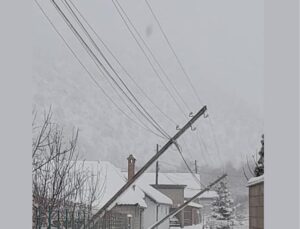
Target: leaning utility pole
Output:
[(181, 207), (150, 162), (157, 167)]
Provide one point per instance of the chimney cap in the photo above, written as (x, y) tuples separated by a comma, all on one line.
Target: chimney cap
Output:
[(131, 157)]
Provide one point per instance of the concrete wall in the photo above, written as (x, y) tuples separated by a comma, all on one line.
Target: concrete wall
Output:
[(256, 206)]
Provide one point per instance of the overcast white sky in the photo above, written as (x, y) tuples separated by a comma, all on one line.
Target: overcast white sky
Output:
[(221, 46)]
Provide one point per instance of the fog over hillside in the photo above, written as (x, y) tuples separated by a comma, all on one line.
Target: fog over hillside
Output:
[(221, 46)]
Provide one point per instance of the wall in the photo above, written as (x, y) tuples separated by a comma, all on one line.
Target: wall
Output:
[(149, 214), (164, 210), (153, 209), (177, 196), (133, 210), (256, 206), (191, 216)]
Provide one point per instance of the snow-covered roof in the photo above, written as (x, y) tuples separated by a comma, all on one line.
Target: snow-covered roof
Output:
[(173, 178), (206, 195), (192, 185), (195, 205), (154, 194), (110, 181), (255, 180)]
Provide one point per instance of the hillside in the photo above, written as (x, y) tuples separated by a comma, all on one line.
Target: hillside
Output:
[(227, 74)]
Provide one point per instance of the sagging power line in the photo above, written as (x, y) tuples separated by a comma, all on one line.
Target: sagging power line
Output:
[(93, 78), (121, 65), (151, 161), (173, 51), (127, 21), (128, 94), (101, 66)]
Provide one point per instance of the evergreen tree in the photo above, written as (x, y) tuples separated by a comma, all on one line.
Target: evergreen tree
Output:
[(259, 169), (222, 208)]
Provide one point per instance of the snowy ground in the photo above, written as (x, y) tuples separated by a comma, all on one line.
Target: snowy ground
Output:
[(200, 226), (246, 226)]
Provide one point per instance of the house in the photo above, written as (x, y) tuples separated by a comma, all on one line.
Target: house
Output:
[(256, 202), (138, 207), (158, 204), (180, 187), (192, 187), (128, 207)]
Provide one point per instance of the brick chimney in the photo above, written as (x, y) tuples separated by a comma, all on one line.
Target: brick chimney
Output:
[(131, 166)]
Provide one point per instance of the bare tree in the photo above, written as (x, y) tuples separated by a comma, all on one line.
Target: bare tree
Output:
[(59, 181), (92, 190)]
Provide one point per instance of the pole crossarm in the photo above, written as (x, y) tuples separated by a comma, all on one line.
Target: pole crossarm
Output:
[(150, 162), (181, 207)]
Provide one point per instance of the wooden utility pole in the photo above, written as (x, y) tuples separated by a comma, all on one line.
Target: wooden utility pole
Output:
[(196, 169), (181, 207), (150, 162), (156, 168)]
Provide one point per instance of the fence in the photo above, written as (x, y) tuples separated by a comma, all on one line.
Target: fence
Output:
[(67, 219)]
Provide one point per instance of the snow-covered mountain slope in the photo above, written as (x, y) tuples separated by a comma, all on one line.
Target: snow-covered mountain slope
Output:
[(223, 58)]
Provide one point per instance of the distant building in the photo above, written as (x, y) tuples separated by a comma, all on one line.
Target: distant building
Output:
[(256, 202)]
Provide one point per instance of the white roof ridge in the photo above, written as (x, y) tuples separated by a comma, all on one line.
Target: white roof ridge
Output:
[(255, 180), (155, 194)]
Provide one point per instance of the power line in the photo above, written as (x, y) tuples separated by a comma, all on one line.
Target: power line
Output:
[(112, 85), (201, 152), (215, 142), (181, 66), (95, 58), (151, 53), (114, 71), (215, 174), (148, 48), (173, 51), (120, 64), (203, 146), (186, 164), (202, 142), (170, 142), (90, 74), (153, 56), (169, 164)]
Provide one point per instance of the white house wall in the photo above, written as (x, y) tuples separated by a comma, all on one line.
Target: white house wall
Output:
[(163, 210), (149, 214)]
